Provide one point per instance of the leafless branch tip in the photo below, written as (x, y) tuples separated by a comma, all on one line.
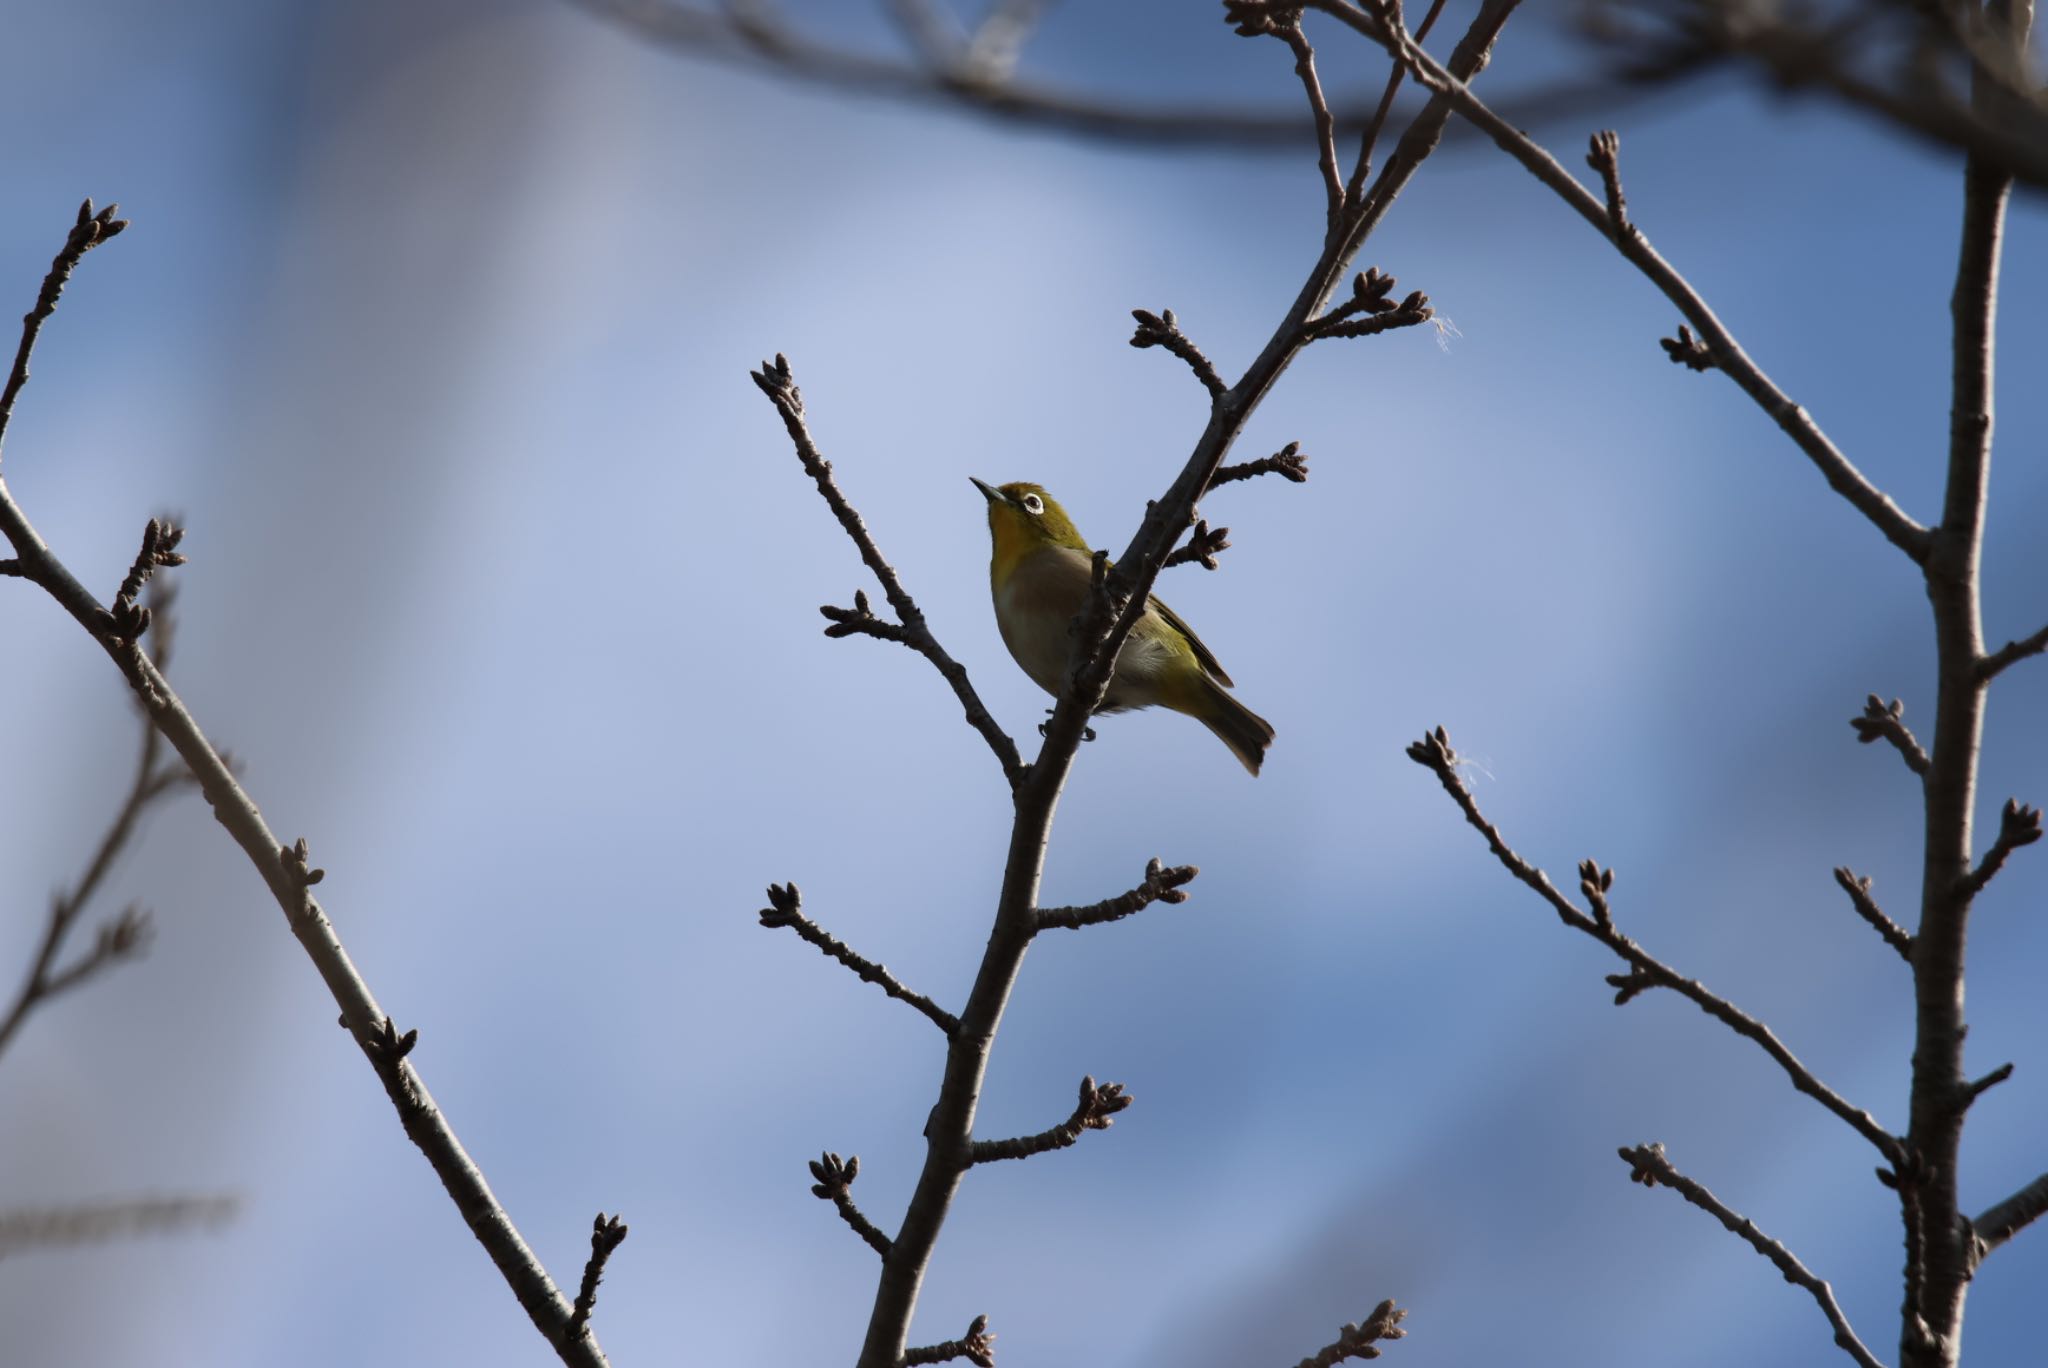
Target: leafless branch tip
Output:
[(607, 1233), (1162, 884), (1160, 330), (1361, 1340), (834, 1184), (785, 908), (977, 1346), (1858, 889), (1099, 1103)]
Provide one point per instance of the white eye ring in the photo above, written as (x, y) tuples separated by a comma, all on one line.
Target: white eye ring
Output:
[(1033, 504)]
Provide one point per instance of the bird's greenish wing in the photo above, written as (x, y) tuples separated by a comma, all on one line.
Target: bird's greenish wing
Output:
[(1202, 653)]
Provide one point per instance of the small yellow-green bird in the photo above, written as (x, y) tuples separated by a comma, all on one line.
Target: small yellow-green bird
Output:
[(1040, 574)]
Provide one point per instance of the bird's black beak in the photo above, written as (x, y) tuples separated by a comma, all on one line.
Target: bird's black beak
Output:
[(988, 491)]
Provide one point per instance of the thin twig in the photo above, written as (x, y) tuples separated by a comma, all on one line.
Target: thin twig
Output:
[(90, 230), (1886, 721), (2017, 826), (1361, 1339), (977, 1346), (1094, 1111), (1354, 191), (606, 1235), (1204, 544), (775, 381), (62, 1226), (1319, 110), (1648, 1166), (1288, 463), (786, 909), (834, 1183), (1840, 473), (2012, 653), (1162, 884), (1434, 753), (1160, 330), (1858, 889)]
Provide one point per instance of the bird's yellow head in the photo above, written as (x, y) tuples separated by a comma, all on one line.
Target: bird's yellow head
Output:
[(1023, 518)]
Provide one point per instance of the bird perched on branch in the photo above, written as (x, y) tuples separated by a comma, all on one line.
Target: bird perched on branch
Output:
[(1040, 575)]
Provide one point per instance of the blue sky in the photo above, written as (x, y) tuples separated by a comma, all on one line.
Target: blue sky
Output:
[(434, 326)]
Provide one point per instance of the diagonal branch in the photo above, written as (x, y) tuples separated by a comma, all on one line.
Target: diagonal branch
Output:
[(775, 381), (2017, 826), (1160, 330), (835, 1183), (786, 909), (1288, 463), (1161, 885), (2008, 1218), (1858, 889), (1095, 1110), (1887, 721), (2011, 654), (90, 230), (1384, 27), (127, 935), (425, 1124), (1648, 1166), (1361, 1339), (1434, 754)]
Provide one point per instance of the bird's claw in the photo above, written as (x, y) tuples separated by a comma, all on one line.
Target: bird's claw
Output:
[(1087, 733)]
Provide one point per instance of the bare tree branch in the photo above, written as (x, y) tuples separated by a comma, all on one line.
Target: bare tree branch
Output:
[(1648, 1166), (1434, 754), (2012, 653), (1162, 884), (2017, 826), (2008, 1218), (606, 1235), (424, 1123), (835, 1182), (977, 1346), (1095, 1110), (1362, 1339), (1160, 330), (1866, 907), (1886, 721), (1204, 545), (58, 1227), (786, 909), (127, 935), (1288, 463), (88, 232), (1383, 27), (775, 381)]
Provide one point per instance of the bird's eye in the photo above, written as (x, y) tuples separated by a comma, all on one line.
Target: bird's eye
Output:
[(1033, 504)]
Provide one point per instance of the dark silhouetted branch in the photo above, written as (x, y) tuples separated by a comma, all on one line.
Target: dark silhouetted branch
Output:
[(835, 1182), (88, 232), (1160, 330), (1093, 1112), (1288, 463), (1648, 1166), (1384, 27), (775, 381), (1204, 545), (606, 1235), (1361, 1340), (786, 909), (1886, 721), (977, 1346), (1162, 884), (1434, 753), (2017, 826), (1866, 907)]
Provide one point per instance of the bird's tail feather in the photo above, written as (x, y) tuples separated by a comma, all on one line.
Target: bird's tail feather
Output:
[(1238, 727)]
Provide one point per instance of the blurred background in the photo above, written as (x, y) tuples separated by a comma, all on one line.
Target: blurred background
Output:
[(434, 326)]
